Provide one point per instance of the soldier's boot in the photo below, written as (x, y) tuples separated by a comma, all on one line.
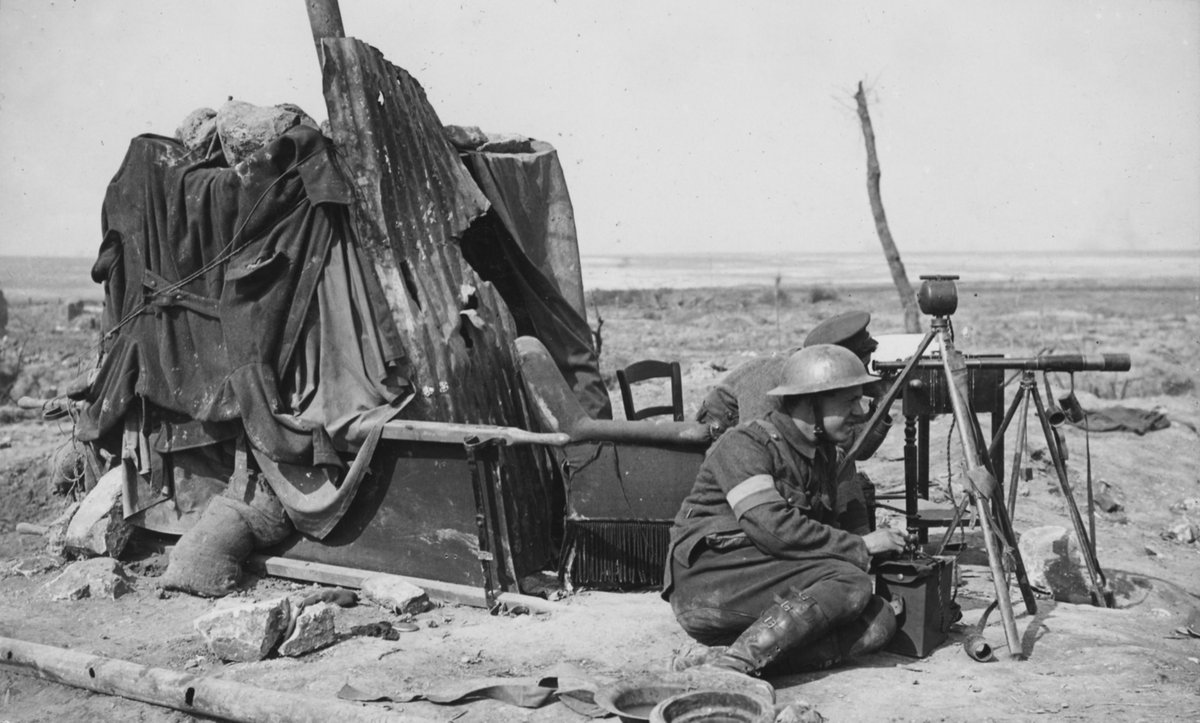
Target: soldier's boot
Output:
[(869, 633), (694, 654), (792, 622)]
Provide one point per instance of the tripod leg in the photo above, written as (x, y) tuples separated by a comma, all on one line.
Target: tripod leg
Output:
[(1004, 524), (982, 482), (1022, 398), (999, 582), (1099, 584)]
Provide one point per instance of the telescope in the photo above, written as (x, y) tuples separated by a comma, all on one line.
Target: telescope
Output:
[(938, 297), (1045, 363)]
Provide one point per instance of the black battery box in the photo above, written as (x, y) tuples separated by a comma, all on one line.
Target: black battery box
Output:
[(925, 587)]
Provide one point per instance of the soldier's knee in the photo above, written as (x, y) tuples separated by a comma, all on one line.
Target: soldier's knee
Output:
[(875, 628), (859, 592)]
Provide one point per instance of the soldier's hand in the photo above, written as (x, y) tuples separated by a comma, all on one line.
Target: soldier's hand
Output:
[(885, 539)]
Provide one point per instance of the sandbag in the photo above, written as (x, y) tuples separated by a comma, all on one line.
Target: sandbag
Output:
[(264, 514), (208, 559)]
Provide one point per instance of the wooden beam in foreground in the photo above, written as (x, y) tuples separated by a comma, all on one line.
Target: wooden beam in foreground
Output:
[(211, 697), (349, 577)]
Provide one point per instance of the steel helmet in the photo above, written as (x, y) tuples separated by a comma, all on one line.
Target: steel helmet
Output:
[(821, 368)]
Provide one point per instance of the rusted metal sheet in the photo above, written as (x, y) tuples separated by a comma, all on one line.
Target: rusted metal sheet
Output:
[(414, 200), (413, 188)]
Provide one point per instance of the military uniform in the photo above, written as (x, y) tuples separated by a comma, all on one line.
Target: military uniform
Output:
[(761, 562), (762, 519), (742, 393)]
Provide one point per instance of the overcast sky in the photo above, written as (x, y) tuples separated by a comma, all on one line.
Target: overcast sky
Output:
[(682, 126)]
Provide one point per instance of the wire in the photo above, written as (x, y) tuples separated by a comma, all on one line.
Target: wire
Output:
[(227, 252)]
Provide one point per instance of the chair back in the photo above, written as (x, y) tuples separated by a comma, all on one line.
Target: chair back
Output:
[(645, 370)]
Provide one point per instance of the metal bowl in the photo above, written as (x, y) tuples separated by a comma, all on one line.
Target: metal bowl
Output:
[(634, 699), (713, 706)]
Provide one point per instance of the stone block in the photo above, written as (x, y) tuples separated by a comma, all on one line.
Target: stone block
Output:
[(244, 633), (465, 138), (395, 594), (1054, 562), (314, 630), (1183, 531), (197, 129), (98, 527), (244, 127), (97, 577)]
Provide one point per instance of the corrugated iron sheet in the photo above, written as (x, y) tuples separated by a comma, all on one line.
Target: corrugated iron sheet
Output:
[(387, 124)]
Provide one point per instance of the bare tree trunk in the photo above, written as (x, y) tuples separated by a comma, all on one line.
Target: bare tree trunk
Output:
[(908, 300)]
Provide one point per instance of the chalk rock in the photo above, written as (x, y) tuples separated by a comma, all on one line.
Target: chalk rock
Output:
[(34, 565), (1191, 504), (314, 629), (465, 138), (244, 127), (56, 531), (98, 527), (1055, 563), (395, 594), (1107, 499), (97, 577), (799, 712), (197, 129), (1184, 532), (244, 633)]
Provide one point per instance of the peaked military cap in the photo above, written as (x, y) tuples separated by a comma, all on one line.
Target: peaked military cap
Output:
[(848, 330)]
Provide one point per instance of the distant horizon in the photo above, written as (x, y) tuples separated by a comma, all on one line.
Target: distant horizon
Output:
[(1174, 251), (54, 276)]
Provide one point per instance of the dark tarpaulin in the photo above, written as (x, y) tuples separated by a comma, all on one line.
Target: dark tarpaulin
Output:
[(530, 221), (525, 184), (214, 279)]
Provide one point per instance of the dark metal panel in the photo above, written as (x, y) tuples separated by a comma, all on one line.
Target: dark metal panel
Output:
[(414, 515), (621, 499), (621, 481)]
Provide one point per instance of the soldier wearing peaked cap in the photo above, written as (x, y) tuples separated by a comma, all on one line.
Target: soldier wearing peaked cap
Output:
[(761, 565), (742, 394)]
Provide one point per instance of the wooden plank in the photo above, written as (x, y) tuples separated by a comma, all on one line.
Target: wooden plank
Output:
[(347, 577), (212, 698), (451, 433)]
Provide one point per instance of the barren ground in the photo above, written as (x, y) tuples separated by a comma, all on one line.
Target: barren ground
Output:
[(1084, 662)]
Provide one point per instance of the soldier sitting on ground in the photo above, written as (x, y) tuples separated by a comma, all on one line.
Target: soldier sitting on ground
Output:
[(761, 564)]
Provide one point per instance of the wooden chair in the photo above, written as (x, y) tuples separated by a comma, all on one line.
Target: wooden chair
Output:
[(651, 369)]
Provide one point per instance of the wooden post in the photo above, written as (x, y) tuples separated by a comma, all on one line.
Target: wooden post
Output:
[(325, 18), (908, 300)]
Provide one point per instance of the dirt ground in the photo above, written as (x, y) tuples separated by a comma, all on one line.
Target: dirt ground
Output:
[(1083, 662)]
